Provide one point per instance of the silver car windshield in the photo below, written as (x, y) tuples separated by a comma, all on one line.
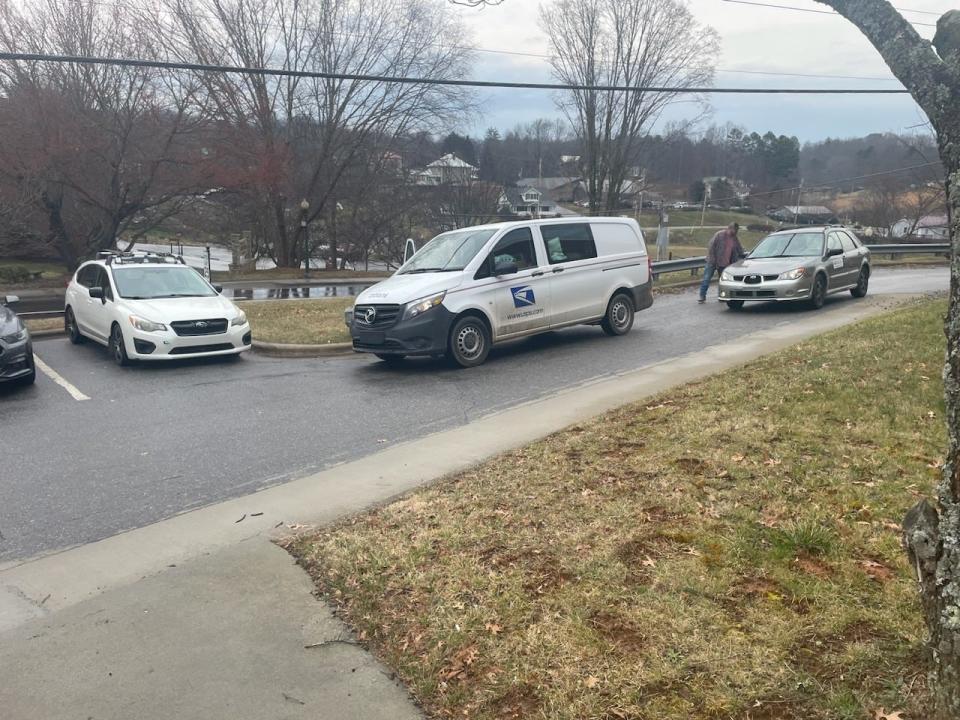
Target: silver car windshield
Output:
[(448, 252), (801, 244), (150, 282)]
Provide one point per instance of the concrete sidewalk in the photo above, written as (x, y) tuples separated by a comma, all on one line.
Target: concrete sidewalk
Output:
[(202, 616), (236, 634)]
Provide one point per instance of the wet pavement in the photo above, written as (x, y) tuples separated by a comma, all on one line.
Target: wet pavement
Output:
[(155, 440)]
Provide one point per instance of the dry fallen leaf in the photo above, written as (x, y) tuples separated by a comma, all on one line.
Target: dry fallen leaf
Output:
[(649, 562), (737, 458), (772, 461), (591, 682), (883, 714), (493, 628)]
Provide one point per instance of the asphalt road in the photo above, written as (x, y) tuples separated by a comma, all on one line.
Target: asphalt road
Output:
[(155, 440)]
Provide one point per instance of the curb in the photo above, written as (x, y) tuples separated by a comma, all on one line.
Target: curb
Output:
[(303, 351)]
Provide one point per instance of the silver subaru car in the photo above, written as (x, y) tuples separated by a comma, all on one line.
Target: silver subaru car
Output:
[(802, 264)]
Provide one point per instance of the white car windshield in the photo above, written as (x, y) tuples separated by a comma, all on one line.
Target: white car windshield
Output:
[(801, 244), (150, 282), (448, 252)]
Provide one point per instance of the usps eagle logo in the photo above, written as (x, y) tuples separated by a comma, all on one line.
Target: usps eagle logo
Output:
[(523, 296)]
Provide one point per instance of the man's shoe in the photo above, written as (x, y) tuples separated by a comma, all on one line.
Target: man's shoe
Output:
[(701, 301)]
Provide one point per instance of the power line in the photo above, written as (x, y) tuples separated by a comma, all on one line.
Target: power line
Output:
[(536, 55), (400, 80), (819, 12)]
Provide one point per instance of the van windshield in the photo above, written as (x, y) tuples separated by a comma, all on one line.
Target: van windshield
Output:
[(448, 252)]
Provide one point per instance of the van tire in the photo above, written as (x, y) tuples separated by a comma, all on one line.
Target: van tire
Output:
[(469, 342), (619, 316)]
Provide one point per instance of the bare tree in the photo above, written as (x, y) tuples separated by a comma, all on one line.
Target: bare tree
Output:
[(298, 136), (931, 72), (637, 43), (100, 149)]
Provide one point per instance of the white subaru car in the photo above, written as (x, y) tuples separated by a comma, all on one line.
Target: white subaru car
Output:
[(146, 306)]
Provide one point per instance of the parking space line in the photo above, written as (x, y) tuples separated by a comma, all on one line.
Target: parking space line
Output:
[(58, 379)]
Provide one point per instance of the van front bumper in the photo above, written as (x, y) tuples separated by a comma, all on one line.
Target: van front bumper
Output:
[(425, 334)]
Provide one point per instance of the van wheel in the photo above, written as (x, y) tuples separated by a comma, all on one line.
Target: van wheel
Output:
[(70, 325), (619, 317), (469, 342)]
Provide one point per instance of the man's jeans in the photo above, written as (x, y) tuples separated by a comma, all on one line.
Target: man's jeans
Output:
[(707, 276)]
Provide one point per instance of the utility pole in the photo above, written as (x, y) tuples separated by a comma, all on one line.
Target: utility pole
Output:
[(796, 214), (663, 234), (305, 229), (703, 210)]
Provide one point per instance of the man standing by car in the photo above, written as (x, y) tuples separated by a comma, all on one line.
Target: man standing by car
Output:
[(724, 249)]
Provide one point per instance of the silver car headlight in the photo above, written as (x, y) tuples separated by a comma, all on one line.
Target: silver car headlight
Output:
[(421, 306), (726, 275), (795, 274), (146, 325), (16, 337), (240, 319)]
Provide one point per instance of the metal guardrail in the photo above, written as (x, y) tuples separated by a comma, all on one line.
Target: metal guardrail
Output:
[(693, 264)]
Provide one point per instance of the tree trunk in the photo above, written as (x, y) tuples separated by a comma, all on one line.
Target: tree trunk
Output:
[(932, 537)]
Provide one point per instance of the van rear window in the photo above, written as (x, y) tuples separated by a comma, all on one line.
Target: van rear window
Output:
[(568, 242)]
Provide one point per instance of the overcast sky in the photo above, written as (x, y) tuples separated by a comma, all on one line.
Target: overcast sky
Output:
[(752, 39)]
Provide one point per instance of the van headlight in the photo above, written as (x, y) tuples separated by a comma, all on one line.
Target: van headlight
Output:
[(421, 306), (793, 274), (240, 319), (146, 325), (726, 275)]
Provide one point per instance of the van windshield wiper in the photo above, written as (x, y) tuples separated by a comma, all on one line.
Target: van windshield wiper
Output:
[(422, 270)]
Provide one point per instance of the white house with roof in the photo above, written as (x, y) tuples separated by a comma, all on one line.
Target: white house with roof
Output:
[(930, 227), (528, 201), (447, 170)]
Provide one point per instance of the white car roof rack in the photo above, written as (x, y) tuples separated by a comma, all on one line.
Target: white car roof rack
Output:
[(115, 257)]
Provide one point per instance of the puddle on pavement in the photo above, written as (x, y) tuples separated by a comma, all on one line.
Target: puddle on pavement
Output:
[(286, 293)]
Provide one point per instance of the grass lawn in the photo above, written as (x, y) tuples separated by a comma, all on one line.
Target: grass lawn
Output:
[(309, 322), (34, 324), (730, 549), (50, 275)]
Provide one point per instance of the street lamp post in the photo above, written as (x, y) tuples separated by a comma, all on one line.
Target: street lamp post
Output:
[(305, 229)]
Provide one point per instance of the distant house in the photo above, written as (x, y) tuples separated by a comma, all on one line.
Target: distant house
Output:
[(929, 227), (804, 214), (447, 170), (527, 201), (561, 189)]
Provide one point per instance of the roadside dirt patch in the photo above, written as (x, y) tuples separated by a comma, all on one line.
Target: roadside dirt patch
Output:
[(618, 631), (813, 566), (520, 701)]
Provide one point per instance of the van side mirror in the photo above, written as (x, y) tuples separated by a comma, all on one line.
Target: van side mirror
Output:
[(10, 299), (505, 268), (833, 252), (219, 289), (96, 293)]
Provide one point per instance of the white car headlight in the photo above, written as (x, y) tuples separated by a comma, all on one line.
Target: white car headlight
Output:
[(726, 275), (795, 274), (146, 325), (421, 306), (240, 319)]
